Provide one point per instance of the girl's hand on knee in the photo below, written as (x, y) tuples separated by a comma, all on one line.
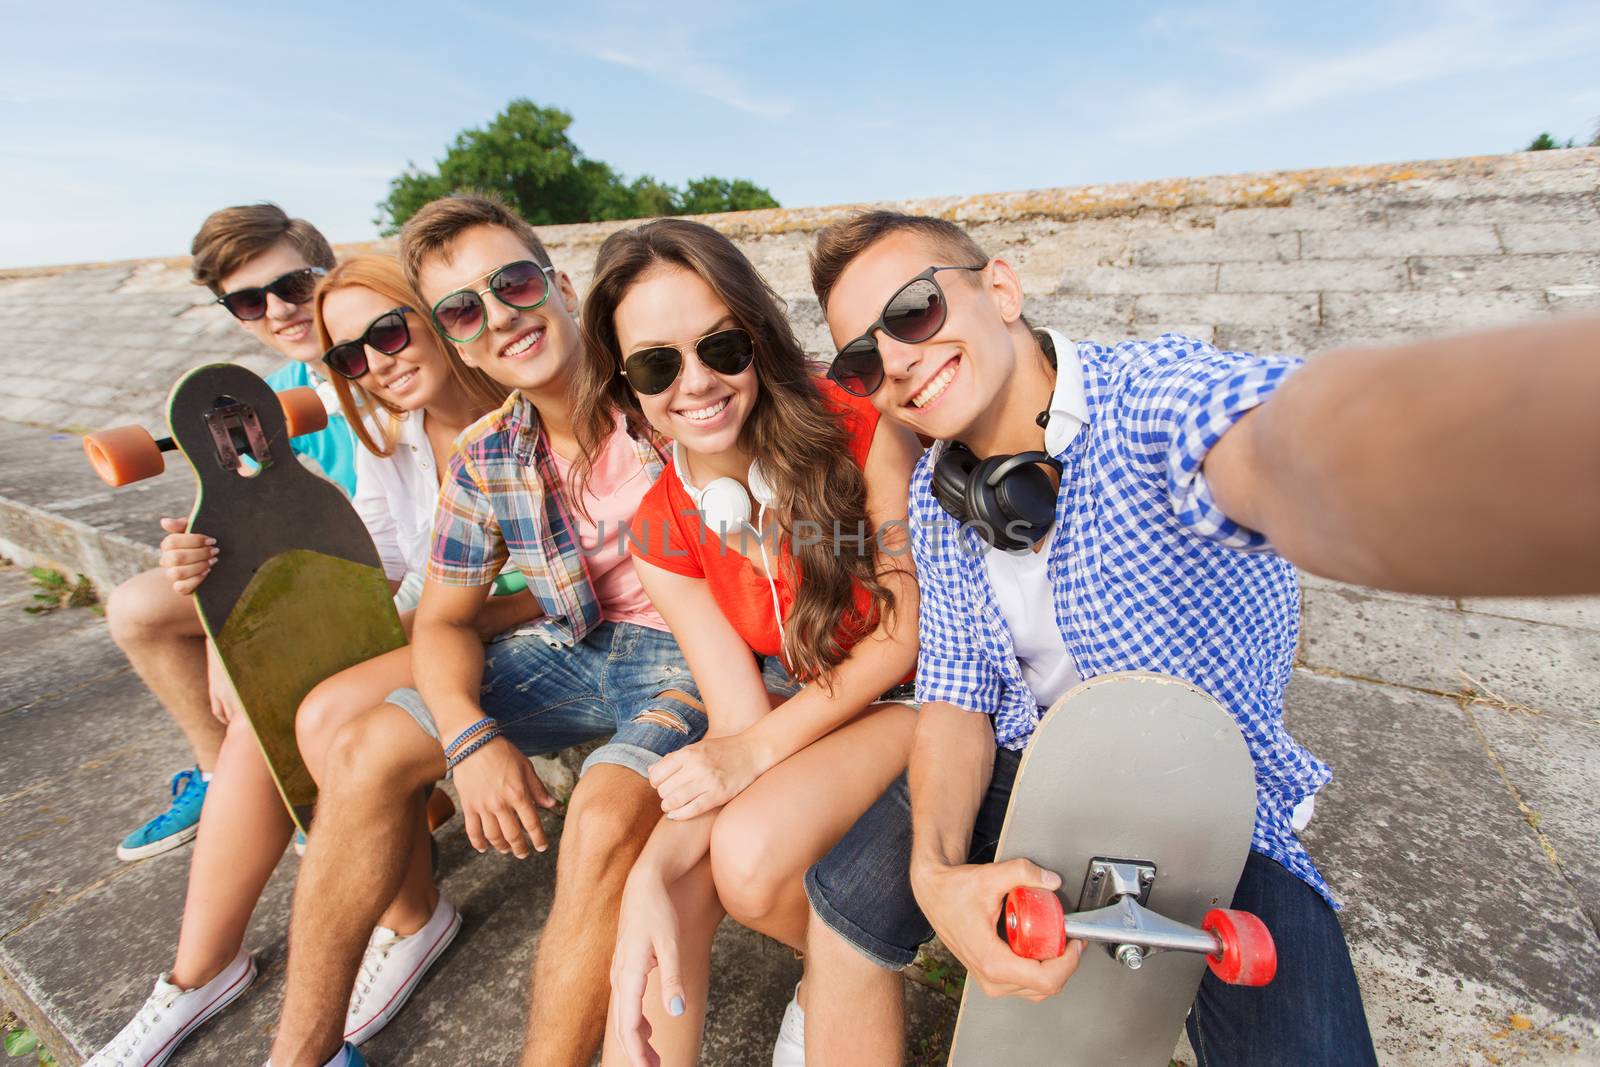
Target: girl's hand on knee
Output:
[(647, 938), (186, 557), (705, 775), (224, 701)]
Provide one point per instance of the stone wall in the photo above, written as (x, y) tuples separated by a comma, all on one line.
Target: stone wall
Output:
[(1298, 262)]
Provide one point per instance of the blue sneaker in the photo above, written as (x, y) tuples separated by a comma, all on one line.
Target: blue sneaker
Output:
[(173, 827)]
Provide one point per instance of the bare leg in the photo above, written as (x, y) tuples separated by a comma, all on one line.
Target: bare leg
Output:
[(368, 818), (160, 633), (608, 821), (854, 1011), (677, 1040), (244, 829), (343, 698), (760, 851), (326, 710)]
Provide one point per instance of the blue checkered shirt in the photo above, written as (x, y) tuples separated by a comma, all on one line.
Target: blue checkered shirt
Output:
[(1148, 574)]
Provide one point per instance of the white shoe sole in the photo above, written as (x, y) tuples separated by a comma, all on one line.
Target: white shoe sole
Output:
[(371, 1028), (155, 848), (223, 999)]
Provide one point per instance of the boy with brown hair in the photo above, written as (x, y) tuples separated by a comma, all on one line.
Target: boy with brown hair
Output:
[(1092, 508), (599, 662), (263, 267)]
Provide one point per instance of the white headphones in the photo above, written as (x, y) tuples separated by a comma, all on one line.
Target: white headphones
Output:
[(725, 507)]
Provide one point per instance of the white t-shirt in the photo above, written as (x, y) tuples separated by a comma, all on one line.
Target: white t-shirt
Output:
[(1021, 584), (1021, 580)]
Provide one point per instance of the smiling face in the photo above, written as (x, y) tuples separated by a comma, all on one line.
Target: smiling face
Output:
[(702, 410), (285, 327), (410, 379), (944, 387), (530, 351)]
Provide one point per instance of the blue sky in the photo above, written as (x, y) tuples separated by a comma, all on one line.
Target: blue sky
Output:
[(122, 124)]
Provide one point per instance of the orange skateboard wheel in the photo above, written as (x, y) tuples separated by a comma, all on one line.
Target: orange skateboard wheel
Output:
[(1034, 921), (123, 454), (303, 412), (1248, 956)]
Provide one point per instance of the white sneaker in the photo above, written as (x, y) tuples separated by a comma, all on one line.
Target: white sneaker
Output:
[(171, 1014), (392, 968), (790, 1049)]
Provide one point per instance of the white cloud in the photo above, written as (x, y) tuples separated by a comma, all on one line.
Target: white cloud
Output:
[(670, 43), (1468, 39)]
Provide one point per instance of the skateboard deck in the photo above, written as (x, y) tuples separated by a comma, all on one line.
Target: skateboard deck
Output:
[(297, 592), (1150, 772)]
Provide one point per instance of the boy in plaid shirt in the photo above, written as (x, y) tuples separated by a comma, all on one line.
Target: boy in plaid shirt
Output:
[(598, 662)]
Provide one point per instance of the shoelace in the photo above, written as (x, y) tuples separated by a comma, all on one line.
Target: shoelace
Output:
[(149, 1015), (383, 939), (182, 782)]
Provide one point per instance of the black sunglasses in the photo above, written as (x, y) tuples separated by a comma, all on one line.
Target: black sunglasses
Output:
[(296, 287), (388, 333), (913, 314), (523, 285), (652, 370)]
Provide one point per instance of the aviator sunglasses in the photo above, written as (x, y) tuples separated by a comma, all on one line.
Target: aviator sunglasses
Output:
[(913, 314), (523, 285), (388, 333), (653, 370), (296, 287)]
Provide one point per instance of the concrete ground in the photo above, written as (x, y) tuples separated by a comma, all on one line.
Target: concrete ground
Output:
[(1459, 830)]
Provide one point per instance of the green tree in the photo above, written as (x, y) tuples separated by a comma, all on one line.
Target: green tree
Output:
[(706, 195), (1544, 142), (526, 155)]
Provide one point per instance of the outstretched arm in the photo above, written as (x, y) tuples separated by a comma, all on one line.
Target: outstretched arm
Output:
[(1466, 465)]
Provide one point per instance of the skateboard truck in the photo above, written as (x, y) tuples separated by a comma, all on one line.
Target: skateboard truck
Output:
[(235, 429), (1237, 945)]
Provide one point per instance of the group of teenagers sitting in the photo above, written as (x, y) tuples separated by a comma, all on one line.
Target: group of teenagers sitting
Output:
[(806, 609)]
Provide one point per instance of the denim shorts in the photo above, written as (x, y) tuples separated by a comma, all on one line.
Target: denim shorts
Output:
[(547, 697), (778, 680), (862, 887)]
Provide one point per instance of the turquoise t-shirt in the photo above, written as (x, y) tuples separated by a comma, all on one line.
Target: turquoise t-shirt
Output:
[(334, 449)]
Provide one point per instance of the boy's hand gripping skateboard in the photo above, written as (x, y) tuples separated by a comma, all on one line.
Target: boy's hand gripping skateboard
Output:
[(1138, 787), (298, 592)]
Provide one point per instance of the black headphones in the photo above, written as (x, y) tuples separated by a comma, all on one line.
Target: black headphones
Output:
[(1007, 499)]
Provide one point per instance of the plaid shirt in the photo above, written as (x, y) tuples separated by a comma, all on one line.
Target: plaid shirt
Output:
[(502, 498), (1147, 573)]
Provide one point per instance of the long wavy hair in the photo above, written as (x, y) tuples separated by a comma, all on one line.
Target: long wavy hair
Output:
[(799, 441), (374, 420)]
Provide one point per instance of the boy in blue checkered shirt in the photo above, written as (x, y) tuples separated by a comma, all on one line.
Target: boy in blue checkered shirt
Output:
[(1171, 486)]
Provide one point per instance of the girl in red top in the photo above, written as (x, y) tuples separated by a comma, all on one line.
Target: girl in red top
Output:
[(773, 545)]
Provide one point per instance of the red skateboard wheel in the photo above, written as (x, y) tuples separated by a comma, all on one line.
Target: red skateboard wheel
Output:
[(123, 454), (1035, 924), (303, 412), (1248, 955)]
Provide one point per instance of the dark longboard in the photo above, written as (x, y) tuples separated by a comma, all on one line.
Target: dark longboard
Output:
[(298, 592), (1150, 774)]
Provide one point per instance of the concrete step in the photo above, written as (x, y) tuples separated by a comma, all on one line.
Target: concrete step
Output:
[(83, 936), (55, 512)]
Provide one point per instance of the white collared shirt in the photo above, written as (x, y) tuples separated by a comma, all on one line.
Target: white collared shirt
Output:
[(395, 496)]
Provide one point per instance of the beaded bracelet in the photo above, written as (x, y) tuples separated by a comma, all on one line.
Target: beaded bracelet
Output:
[(483, 739), (466, 735)]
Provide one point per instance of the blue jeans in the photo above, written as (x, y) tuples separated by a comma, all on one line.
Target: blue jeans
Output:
[(1310, 1016), (547, 697), (1311, 1013)]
